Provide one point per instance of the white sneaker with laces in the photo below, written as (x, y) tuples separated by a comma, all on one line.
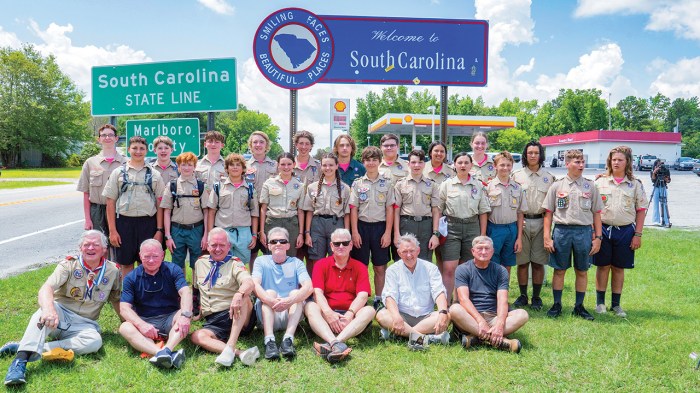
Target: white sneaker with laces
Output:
[(601, 309), (619, 312), (227, 357), (249, 356)]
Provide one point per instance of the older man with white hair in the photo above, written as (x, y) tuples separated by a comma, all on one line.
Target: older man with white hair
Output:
[(70, 302), (156, 303)]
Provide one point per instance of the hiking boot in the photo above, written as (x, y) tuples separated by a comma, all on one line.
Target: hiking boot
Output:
[(417, 342), (555, 311), (287, 348), (581, 311), (601, 309), (378, 305), (178, 358), (249, 356), (58, 354), (510, 345), (619, 312), (16, 373), (470, 341), (322, 350), (536, 303), (339, 352), (10, 348), (520, 302), (162, 359), (271, 351), (443, 338)]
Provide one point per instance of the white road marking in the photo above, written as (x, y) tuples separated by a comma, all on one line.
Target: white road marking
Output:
[(38, 232)]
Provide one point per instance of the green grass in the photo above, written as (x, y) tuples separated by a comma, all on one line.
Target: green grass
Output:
[(66, 173), (647, 352), (7, 185)]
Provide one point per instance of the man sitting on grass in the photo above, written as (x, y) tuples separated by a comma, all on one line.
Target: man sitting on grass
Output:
[(71, 300), (482, 289)]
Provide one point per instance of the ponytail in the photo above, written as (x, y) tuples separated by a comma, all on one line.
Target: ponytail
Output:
[(337, 183)]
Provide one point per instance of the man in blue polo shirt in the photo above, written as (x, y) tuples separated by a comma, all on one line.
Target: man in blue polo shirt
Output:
[(156, 303)]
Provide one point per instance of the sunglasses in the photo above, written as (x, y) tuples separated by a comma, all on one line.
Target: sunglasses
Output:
[(278, 241), (344, 243)]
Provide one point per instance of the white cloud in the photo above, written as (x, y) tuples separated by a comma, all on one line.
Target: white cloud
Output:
[(509, 22), (525, 67), (218, 6), (588, 8), (679, 79), (9, 39)]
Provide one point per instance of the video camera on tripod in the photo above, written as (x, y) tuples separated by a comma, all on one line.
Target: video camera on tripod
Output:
[(662, 173)]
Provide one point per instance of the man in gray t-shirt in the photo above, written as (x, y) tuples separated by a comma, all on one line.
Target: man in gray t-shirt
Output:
[(482, 290)]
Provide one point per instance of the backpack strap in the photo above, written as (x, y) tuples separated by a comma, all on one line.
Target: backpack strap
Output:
[(217, 185), (173, 192)]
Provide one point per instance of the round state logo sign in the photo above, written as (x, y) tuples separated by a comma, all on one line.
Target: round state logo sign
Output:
[(293, 48)]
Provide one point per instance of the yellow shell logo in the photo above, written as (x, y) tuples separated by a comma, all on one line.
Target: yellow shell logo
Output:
[(339, 106), (408, 118)]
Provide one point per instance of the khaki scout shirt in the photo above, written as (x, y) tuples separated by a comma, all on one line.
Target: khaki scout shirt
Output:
[(463, 200), (484, 172), (232, 275), (446, 172), (506, 201), (190, 210), (167, 174), (398, 169), (416, 198), (261, 172), (137, 200), (232, 201), (622, 201), (327, 200), (69, 282), (371, 197), (210, 173), (535, 185), (282, 200), (95, 174), (310, 174), (573, 202)]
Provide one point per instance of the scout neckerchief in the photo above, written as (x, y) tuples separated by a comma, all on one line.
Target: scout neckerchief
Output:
[(90, 284), (214, 271)]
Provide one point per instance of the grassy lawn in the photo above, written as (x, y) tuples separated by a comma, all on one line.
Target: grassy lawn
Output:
[(644, 353), (66, 173), (6, 185)]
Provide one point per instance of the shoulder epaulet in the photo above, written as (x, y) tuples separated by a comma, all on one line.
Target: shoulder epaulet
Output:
[(71, 258)]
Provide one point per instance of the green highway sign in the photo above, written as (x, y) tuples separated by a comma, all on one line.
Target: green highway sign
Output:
[(183, 132), (168, 87)]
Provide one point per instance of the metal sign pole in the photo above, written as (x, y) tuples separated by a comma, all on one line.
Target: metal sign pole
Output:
[(293, 117), (210, 120), (443, 113)]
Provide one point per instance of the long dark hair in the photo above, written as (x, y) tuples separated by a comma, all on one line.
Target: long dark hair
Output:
[(337, 178), (523, 159)]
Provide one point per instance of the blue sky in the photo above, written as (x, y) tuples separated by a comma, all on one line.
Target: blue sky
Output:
[(622, 47)]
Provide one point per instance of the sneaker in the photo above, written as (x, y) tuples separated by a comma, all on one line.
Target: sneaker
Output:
[(16, 373), (249, 356), (581, 311), (601, 309), (58, 354), (271, 351), (178, 358), (555, 311), (619, 312), (385, 334), (378, 305), (443, 338), (417, 342), (536, 303), (339, 352), (162, 359), (287, 348), (227, 357), (520, 302), (470, 341), (510, 345), (10, 348)]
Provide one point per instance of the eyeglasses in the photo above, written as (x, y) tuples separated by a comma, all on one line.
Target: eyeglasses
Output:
[(344, 243), (107, 136), (389, 146), (278, 241)]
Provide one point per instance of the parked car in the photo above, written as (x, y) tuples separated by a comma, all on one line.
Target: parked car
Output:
[(683, 164), (696, 167), (516, 157), (646, 162)]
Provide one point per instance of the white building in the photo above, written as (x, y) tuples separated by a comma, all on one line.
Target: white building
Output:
[(596, 145)]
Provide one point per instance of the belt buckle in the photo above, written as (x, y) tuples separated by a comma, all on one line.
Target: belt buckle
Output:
[(418, 218)]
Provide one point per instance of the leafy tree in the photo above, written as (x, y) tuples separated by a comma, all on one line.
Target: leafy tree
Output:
[(635, 113), (579, 110), (511, 139), (40, 107), (237, 127)]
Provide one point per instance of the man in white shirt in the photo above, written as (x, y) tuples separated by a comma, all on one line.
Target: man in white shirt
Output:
[(412, 288)]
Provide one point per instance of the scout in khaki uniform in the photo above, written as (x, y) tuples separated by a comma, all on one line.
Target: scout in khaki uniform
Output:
[(259, 168), (573, 204), (183, 216), (391, 163), (133, 193), (280, 204), (350, 169), (416, 199), (623, 219), (71, 300), (225, 285), (163, 147), (508, 204), (535, 181), (371, 218), (235, 208), (210, 169), (94, 176), (307, 169), (483, 168), (464, 202), (437, 169), (326, 203)]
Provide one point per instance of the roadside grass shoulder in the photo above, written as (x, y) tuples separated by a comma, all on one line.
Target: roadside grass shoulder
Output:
[(65, 173), (646, 352), (8, 185)]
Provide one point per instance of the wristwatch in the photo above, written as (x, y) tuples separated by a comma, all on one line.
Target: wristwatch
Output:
[(599, 237), (436, 233), (168, 237), (160, 230), (186, 314), (443, 312)]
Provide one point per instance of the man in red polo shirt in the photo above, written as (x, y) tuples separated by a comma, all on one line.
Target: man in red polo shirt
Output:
[(341, 289)]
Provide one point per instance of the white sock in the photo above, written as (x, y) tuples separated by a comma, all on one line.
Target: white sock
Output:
[(268, 338), (287, 335)]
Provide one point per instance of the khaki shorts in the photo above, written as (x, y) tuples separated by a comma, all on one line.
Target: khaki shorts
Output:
[(411, 320), (458, 246), (533, 243)]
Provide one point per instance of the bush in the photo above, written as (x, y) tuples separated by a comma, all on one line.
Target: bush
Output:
[(74, 161), (89, 149)]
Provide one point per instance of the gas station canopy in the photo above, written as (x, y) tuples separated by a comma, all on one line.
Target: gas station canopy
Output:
[(411, 124)]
